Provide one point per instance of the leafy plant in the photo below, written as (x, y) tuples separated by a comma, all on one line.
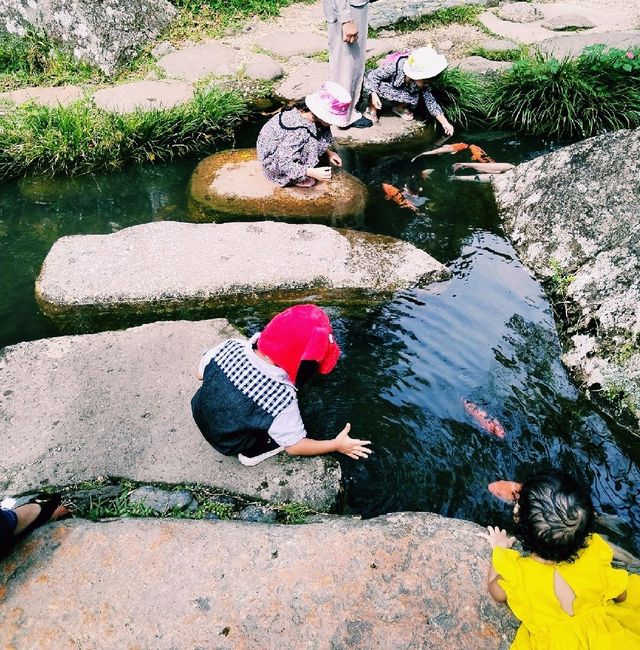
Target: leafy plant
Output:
[(463, 96), (499, 55), (294, 512)]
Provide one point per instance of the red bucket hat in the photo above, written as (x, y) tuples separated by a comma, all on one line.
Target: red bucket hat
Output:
[(300, 333)]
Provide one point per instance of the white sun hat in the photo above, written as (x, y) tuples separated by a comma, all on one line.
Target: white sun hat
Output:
[(330, 103), (424, 63)]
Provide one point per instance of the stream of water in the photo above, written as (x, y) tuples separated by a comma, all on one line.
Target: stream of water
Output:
[(486, 335)]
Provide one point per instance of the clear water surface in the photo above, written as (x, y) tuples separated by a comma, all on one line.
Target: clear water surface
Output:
[(486, 335)]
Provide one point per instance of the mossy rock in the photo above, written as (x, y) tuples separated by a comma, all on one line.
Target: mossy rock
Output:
[(230, 186)]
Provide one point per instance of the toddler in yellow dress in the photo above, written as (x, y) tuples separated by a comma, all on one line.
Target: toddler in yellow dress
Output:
[(564, 590)]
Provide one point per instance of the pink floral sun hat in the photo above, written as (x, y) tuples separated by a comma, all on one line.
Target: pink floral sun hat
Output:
[(330, 103)]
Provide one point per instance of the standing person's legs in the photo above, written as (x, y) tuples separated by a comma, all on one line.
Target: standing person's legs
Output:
[(346, 60)]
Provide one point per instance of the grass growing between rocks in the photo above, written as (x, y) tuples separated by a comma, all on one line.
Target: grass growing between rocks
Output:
[(80, 139), (461, 15), (463, 96), (500, 55)]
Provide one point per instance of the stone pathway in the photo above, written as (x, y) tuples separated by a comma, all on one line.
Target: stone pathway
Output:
[(407, 580), (117, 404), (158, 266)]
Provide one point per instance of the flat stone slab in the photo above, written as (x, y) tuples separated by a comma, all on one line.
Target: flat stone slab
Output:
[(302, 81), (389, 12), (164, 265), (143, 96), (263, 67), (573, 44), (118, 404), (194, 63), (480, 65), (568, 22), (389, 129), (498, 45), (402, 581), (45, 96), (231, 185), (288, 44)]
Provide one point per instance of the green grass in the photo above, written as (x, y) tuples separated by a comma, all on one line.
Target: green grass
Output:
[(461, 15), (463, 96), (80, 139), (503, 55)]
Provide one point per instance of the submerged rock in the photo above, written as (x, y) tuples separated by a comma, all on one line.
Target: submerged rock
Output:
[(573, 217), (104, 33), (230, 185), (163, 266), (407, 580), (117, 404)]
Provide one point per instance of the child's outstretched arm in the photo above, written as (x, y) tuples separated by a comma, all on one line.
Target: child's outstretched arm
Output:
[(351, 447), (496, 537)]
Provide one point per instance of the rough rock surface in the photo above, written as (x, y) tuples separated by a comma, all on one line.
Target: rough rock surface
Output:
[(519, 12), (263, 67), (194, 63), (389, 12), (577, 209), (45, 96), (143, 96), (498, 45), (104, 33), (117, 404), (230, 185), (568, 22), (573, 44), (288, 44), (407, 580), (162, 501), (480, 65), (167, 264), (304, 80), (389, 129)]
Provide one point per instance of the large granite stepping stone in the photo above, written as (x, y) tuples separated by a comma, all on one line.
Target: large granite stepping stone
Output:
[(480, 65), (143, 96), (231, 184), (45, 96), (519, 12), (288, 44), (263, 67), (117, 404), (389, 129), (162, 266), (194, 63), (568, 22), (573, 44), (302, 81), (407, 580), (389, 12), (498, 45)]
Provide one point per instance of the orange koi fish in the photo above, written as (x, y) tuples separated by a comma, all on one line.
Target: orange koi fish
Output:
[(506, 491), (485, 421), (479, 155), (445, 148), (392, 193)]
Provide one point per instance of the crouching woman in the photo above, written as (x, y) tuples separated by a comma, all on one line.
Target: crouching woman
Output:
[(292, 142)]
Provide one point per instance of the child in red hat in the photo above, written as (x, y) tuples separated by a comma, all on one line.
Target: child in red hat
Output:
[(247, 404)]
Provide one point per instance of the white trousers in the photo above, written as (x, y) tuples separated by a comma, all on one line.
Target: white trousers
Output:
[(346, 60)]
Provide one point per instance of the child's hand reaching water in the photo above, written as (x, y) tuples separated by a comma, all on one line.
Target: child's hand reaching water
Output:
[(497, 537)]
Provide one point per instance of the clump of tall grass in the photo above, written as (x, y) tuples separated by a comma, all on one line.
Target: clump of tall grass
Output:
[(33, 60), (595, 92), (81, 138), (463, 96)]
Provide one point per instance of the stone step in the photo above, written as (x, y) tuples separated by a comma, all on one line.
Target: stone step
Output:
[(389, 12), (161, 266), (53, 96), (117, 404), (407, 580), (143, 96), (231, 185)]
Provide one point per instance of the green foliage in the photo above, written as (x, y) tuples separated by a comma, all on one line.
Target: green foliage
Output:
[(597, 91), (118, 507), (81, 138), (294, 512), (559, 280), (33, 60), (499, 55), (463, 96)]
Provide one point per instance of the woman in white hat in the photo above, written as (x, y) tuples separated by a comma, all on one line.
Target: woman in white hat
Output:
[(292, 142), (402, 79)]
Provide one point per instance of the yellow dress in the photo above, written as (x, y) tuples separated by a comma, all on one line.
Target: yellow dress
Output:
[(597, 623)]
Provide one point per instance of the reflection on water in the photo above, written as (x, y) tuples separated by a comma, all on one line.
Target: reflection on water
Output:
[(486, 335)]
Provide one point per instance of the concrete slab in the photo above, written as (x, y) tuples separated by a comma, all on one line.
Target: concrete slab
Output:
[(45, 96), (231, 185), (143, 96), (407, 580), (167, 265), (118, 404), (288, 44), (194, 63)]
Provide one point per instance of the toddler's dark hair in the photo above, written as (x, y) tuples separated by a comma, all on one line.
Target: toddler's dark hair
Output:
[(556, 516)]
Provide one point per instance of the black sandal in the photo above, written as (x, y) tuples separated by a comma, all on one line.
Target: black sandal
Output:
[(48, 504)]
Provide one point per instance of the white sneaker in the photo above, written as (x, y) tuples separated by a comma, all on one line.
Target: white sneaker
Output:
[(254, 460)]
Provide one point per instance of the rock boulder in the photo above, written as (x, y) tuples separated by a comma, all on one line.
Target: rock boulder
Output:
[(573, 217), (159, 267), (231, 185), (118, 404), (104, 33), (407, 580)]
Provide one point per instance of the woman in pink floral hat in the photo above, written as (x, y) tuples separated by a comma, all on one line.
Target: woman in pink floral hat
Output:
[(292, 142)]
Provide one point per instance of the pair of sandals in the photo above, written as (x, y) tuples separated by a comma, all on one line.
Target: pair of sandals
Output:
[(402, 112)]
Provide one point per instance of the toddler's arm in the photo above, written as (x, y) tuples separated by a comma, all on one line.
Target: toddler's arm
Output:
[(351, 447), (496, 537)]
